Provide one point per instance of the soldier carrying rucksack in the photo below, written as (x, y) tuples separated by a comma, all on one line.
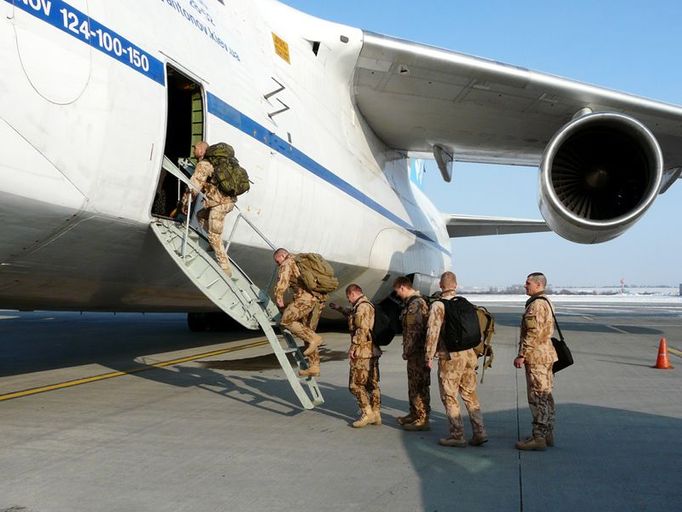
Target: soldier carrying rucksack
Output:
[(453, 330), (221, 179), (311, 278)]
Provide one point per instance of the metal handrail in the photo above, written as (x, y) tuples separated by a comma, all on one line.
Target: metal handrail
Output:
[(173, 169), (241, 216)]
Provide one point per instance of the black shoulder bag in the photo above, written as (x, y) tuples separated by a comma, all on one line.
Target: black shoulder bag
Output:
[(562, 350)]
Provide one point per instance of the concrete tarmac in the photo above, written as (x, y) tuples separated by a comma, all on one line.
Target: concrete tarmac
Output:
[(135, 413)]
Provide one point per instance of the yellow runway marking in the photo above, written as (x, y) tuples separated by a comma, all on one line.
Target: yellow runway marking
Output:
[(111, 375), (678, 353)]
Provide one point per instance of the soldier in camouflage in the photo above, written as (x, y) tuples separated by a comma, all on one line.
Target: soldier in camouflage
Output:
[(537, 355), (302, 315), (414, 317), (456, 373), (363, 381), (215, 208)]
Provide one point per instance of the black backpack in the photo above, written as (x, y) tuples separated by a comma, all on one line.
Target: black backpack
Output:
[(382, 331), (462, 328)]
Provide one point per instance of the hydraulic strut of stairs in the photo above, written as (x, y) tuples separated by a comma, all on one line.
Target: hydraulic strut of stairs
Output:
[(237, 296)]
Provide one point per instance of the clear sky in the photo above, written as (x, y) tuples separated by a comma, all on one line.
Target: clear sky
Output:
[(628, 45)]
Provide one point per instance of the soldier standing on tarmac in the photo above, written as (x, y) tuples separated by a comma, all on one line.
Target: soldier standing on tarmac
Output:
[(215, 208), (363, 381), (537, 355), (303, 314), (456, 373), (414, 317)]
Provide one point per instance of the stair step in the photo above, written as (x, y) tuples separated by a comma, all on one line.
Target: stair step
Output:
[(239, 298)]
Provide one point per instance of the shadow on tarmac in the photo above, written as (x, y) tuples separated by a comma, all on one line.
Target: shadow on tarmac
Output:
[(48, 341), (605, 458)]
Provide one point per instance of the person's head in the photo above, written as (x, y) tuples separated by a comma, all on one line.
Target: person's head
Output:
[(402, 287), (535, 283), (200, 149), (353, 293), (280, 255), (448, 282)]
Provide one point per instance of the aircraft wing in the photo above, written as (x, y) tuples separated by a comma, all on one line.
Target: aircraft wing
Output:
[(469, 225), (415, 96)]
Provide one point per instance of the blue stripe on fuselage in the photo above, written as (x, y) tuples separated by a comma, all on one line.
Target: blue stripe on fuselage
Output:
[(77, 24), (232, 116), (70, 20)]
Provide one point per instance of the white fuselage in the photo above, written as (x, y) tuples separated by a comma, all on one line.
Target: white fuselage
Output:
[(83, 126)]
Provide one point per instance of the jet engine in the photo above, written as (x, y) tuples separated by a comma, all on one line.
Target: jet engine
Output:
[(599, 174)]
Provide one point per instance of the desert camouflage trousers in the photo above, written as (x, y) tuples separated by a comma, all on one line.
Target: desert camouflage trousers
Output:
[(419, 387), (363, 382), (457, 376), (539, 381), (301, 318), (213, 220)]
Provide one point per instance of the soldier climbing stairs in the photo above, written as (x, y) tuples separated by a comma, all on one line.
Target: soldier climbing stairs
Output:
[(237, 295)]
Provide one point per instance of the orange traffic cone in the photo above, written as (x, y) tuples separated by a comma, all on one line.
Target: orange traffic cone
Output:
[(662, 362)]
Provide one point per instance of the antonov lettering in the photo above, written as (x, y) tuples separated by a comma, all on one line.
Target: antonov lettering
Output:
[(39, 5), (91, 32)]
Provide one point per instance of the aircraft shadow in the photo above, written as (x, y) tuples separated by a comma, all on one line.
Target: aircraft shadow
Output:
[(604, 459), (48, 341)]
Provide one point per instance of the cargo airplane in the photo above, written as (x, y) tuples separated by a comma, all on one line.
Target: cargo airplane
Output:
[(329, 120)]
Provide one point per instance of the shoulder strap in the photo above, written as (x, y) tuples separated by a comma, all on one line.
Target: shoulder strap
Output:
[(412, 299), (365, 301), (561, 336)]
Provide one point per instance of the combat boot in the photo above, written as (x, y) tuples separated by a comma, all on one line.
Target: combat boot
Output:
[(313, 371), (478, 440), (453, 442), (403, 420), (312, 345), (366, 418), (417, 425), (532, 444), (377, 415), (549, 438)]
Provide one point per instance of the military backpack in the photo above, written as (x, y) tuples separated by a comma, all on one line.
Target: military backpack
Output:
[(484, 349), (486, 326), (382, 331), (317, 274), (230, 177), (462, 330)]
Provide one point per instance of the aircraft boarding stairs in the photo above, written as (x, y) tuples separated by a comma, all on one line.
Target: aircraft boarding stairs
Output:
[(237, 296)]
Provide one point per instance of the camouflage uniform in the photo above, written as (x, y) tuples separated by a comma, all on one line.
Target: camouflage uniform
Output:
[(215, 208), (414, 318), (302, 315), (539, 355), (363, 381), (456, 374)]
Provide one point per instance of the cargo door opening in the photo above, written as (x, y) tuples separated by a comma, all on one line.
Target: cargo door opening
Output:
[(184, 128)]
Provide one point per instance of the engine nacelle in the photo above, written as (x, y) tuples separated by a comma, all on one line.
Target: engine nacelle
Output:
[(599, 174)]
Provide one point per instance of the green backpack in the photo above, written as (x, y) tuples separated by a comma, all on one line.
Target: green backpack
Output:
[(230, 178), (485, 349), (316, 273)]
